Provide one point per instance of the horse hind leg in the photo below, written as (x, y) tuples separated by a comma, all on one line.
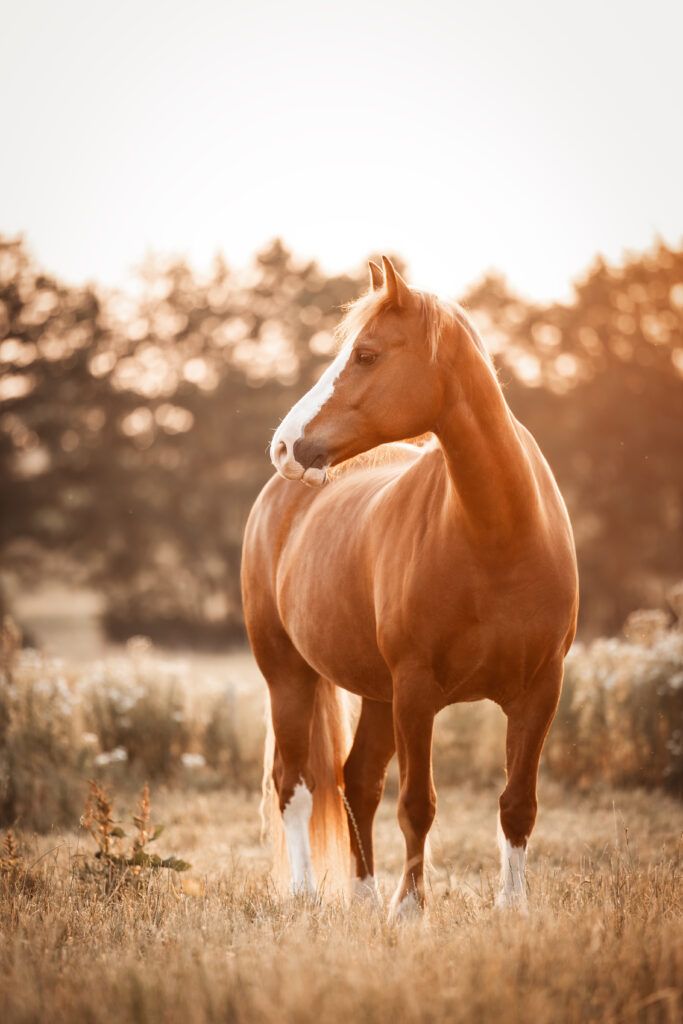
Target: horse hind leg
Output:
[(292, 697), (528, 722), (364, 776)]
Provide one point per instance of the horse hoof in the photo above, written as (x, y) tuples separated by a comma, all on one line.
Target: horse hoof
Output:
[(516, 901), (404, 909), (366, 890)]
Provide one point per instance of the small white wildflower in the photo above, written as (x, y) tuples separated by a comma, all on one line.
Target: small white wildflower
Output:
[(193, 760), (111, 756), (609, 680), (676, 680), (137, 646), (66, 698), (675, 744)]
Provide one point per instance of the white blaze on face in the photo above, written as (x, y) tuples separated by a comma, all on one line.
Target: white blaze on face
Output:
[(299, 416), (513, 871), (296, 818)]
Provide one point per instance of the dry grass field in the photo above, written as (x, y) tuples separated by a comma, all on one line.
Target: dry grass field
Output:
[(80, 941), (602, 941)]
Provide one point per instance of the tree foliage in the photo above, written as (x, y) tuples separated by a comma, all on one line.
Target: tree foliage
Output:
[(133, 429), (599, 383)]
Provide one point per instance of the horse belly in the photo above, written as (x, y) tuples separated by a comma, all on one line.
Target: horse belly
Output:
[(327, 611)]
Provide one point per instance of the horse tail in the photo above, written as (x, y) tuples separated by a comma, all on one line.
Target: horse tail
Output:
[(331, 739)]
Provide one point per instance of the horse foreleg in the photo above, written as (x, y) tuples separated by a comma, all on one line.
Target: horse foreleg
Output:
[(529, 719), (413, 728), (291, 705), (364, 774)]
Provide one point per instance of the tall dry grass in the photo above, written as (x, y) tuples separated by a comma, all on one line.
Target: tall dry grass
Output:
[(142, 715), (601, 943), (619, 723), (620, 720), (131, 717)]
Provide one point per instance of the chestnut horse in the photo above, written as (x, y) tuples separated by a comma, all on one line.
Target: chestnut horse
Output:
[(440, 574)]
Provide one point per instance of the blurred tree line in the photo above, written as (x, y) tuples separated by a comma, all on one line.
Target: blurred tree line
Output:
[(134, 428)]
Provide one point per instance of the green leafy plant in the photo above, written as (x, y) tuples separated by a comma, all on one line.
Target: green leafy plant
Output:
[(110, 838)]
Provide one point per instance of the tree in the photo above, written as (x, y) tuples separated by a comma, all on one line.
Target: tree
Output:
[(599, 384), (133, 431)]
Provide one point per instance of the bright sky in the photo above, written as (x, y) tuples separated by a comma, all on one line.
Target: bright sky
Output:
[(464, 135)]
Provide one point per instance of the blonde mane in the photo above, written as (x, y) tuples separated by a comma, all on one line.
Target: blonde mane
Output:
[(438, 314)]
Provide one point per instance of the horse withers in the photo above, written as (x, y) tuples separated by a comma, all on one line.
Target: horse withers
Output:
[(425, 577)]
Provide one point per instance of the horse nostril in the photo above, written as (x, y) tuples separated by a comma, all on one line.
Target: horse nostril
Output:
[(309, 454)]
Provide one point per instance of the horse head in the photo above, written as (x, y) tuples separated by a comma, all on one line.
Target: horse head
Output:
[(382, 386)]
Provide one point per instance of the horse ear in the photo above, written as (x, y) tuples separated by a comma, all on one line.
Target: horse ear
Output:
[(376, 276), (397, 290)]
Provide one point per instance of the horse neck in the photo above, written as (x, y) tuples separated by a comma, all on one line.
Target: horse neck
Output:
[(488, 465)]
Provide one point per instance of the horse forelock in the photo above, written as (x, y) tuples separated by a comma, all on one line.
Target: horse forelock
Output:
[(438, 315)]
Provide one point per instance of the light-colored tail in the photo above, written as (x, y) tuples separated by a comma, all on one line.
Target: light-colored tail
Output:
[(331, 738)]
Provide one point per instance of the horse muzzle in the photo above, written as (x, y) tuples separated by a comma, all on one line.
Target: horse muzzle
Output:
[(300, 461)]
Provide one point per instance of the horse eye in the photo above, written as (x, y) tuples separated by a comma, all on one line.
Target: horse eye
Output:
[(366, 358)]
